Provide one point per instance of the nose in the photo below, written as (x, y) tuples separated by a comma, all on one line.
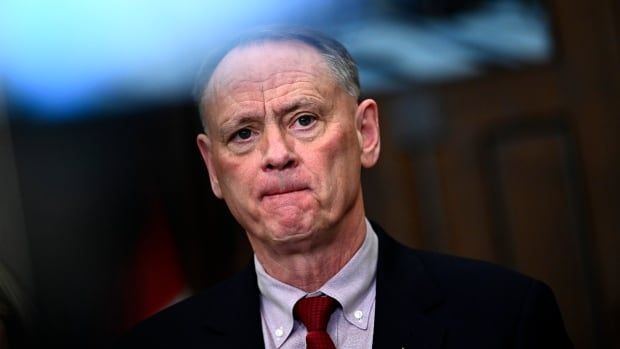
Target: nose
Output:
[(278, 151)]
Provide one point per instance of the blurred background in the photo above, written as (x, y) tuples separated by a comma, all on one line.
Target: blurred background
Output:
[(500, 130)]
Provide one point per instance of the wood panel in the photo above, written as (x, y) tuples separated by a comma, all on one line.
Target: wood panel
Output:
[(521, 168), (537, 205)]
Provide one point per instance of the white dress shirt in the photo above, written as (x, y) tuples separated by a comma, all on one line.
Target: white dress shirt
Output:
[(350, 326)]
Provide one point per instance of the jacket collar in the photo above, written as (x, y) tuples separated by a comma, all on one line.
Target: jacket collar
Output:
[(234, 313), (406, 297)]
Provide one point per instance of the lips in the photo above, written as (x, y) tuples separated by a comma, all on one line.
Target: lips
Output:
[(283, 188)]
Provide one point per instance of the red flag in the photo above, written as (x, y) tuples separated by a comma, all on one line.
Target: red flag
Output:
[(155, 277)]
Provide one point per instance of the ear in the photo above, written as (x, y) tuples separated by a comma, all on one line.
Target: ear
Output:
[(367, 124), (204, 145)]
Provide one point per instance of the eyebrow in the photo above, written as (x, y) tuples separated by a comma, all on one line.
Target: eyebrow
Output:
[(299, 103), (231, 124), (248, 117)]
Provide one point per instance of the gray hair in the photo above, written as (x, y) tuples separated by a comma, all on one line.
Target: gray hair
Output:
[(339, 61)]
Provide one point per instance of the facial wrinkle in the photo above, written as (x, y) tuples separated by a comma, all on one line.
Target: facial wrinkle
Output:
[(262, 91), (281, 181)]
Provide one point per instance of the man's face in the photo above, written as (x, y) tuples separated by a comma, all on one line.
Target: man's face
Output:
[(285, 145)]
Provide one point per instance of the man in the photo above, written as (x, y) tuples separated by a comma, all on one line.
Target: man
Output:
[(285, 140)]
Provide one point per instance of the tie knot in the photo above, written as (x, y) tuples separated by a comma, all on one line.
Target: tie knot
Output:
[(314, 312)]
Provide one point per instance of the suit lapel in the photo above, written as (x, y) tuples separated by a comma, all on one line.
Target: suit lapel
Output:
[(406, 297), (235, 321)]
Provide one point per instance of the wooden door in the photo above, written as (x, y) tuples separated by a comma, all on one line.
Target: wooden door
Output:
[(519, 168)]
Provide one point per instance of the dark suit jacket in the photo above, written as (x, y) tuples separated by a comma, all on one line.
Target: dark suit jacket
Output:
[(424, 300)]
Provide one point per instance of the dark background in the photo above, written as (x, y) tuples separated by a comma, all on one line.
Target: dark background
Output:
[(516, 164)]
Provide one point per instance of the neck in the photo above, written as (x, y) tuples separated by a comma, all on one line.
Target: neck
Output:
[(311, 269)]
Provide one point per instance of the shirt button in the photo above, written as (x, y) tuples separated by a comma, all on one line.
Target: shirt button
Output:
[(358, 314), (279, 332)]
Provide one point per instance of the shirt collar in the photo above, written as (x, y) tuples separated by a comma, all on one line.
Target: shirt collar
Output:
[(353, 287)]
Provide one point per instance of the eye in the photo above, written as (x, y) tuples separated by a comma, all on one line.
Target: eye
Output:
[(305, 120), (244, 133), (241, 135)]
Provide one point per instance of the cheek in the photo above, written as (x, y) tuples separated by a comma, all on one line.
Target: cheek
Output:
[(339, 159), (339, 139), (237, 184), (234, 175)]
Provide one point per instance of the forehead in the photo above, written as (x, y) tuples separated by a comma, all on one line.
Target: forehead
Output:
[(268, 65)]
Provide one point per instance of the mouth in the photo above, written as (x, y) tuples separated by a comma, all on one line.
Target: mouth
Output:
[(283, 190)]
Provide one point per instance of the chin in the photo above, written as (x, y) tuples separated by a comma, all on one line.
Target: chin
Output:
[(292, 230), (293, 242)]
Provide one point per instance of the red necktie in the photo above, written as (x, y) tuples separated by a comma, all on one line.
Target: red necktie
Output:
[(314, 313)]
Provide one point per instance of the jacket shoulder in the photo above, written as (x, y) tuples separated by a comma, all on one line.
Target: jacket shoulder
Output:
[(523, 308), (475, 301), (196, 319), (450, 271)]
